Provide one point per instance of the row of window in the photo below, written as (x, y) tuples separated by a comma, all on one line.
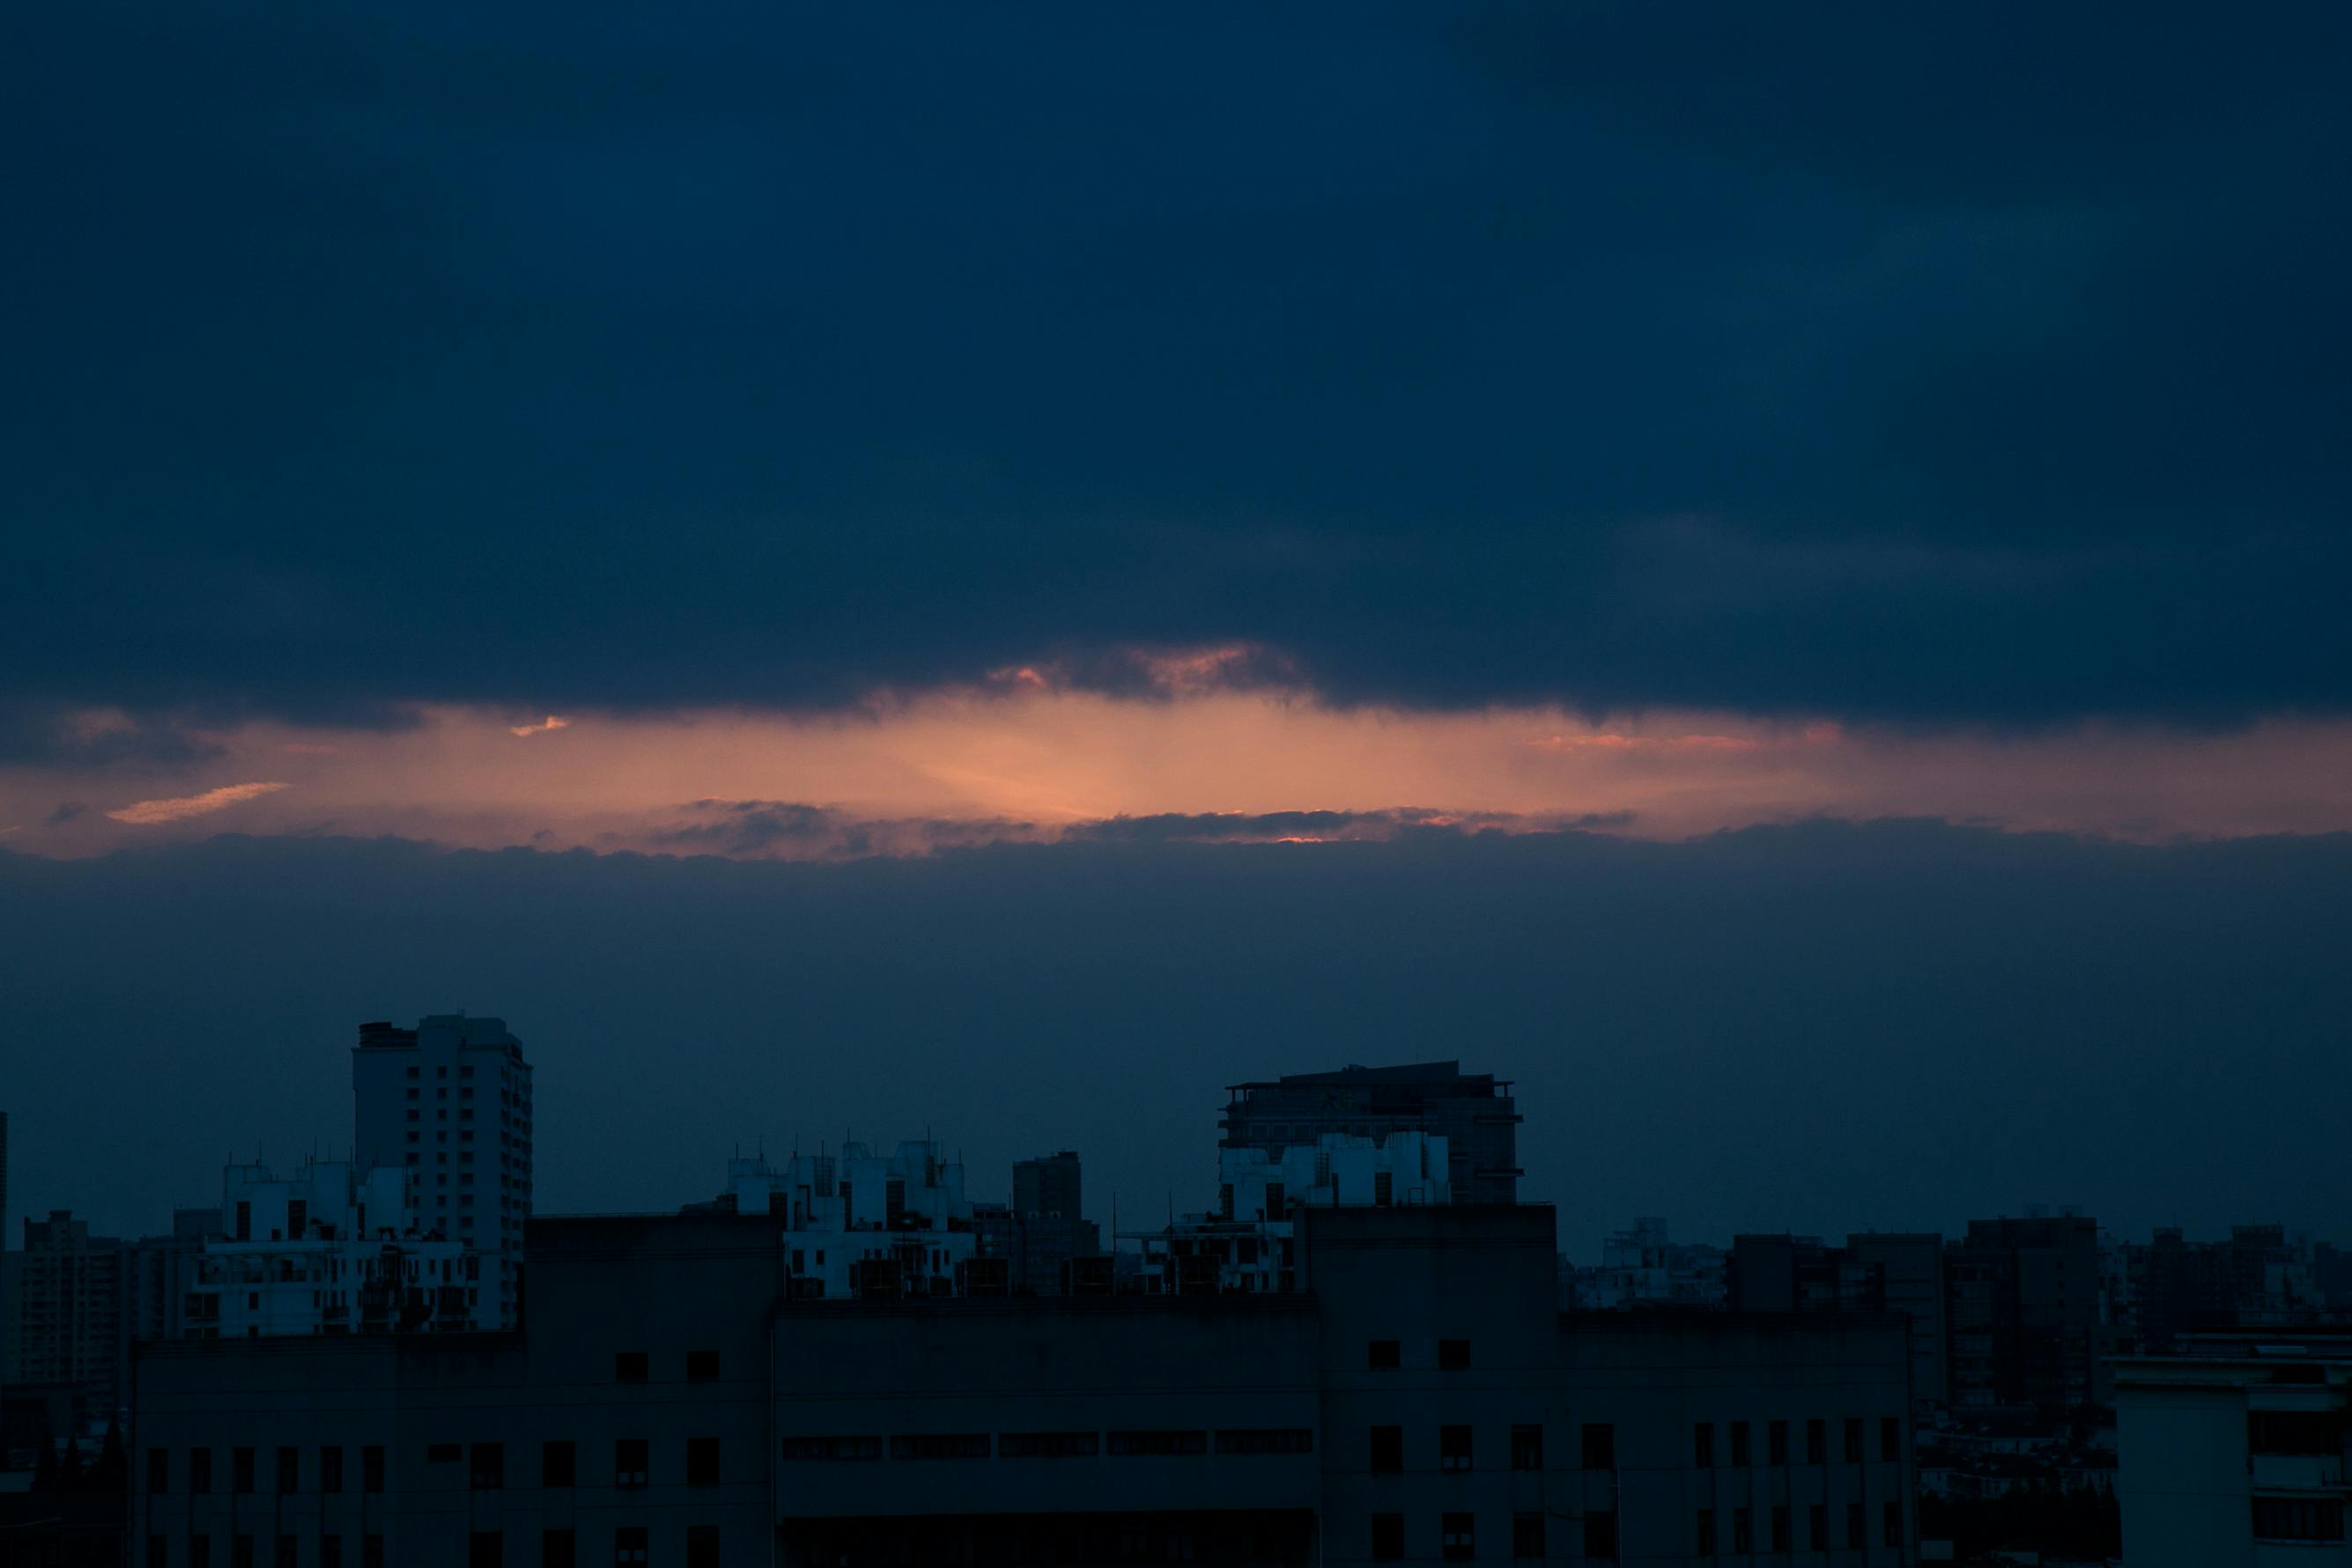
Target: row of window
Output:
[(637, 1366), (1388, 1355), (1817, 1530), (484, 1549), (1776, 1442), (487, 1472), (861, 1447), (1457, 1536)]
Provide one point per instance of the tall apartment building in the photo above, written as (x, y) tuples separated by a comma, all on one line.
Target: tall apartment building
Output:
[(2025, 1322), (1049, 1185), (68, 1312), (451, 1099), (1474, 1112)]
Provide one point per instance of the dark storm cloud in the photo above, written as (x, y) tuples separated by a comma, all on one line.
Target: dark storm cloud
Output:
[(1897, 1025), (1977, 364), (45, 735), (797, 830)]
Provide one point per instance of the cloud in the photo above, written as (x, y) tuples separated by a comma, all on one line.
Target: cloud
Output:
[(1808, 424), (541, 728), (66, 811), (150, 812)]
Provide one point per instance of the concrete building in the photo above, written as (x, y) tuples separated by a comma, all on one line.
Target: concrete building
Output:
[(859, 1223), (1646, 1268), (160, 1274), (2233, 1453), (2027, 1331), (331, 1249), (1474, 1112), (1875, 1271), (667, 1399), (452, 1099), (67, 1312), (1248, 1242)]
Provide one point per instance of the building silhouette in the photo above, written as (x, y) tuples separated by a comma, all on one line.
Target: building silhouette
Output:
[(1474, 1112), (451, 1099)]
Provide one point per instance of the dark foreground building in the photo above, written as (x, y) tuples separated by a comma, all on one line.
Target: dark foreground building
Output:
[(665, 1403), (1474, 1111)]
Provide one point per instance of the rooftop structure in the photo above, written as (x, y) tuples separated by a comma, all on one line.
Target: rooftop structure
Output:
[(859, 1223), (1474, 1112)]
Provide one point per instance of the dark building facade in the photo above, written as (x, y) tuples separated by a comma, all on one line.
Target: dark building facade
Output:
[(665, 1403), (1475, 1111), (2026, 1332)]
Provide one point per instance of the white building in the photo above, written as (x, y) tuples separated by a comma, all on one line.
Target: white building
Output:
[(2233, 1454), (331, 1249), (1249, 1244), (451, 1101), (861, 1223)]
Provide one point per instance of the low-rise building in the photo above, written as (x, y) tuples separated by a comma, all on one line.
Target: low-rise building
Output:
[(859, 1223)]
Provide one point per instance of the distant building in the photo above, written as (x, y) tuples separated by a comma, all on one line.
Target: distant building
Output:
[(1645, 1267), (1247, 1244), (2026, 1326), (1875, 1271), (664, 1401), (860, 1224), (2234, 1451), (331, 1249), (160, 1275), (1474, 1113), (2167, 1287), (67, 1312), (1043, 1230), (451, 1099)]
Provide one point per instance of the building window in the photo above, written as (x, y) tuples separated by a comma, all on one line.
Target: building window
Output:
[(1817, 1527), (1743, 1533), (1388, 1538), (631, 1366), (629, 1544), (331, 1552), (1775, 1443), (1890, 1437), (701, 1546), (558, 1549), (485, 1548), (1601, 1534), (1780, 1527), (1706, 1532), (372, 1550), (289, 1469), (1454, 1447), (1457, 1537), (200, 1552), (1453, 1355), (240, 1470), (158, 1470), (703, 1461), (1856, 1536), (490, 1470), (1527, 1447), (2293, 1432), (200, 1470), (1853, 1438), (1263, 1440), (2298, 1519), (1891, 1523), (702, 1366), (818, 1448), (631, 1466), (1388, 1449), (1740, 1454), (1384, 1355), (556, 1464), (331, 1469), (289, 1548), (1151, 1444), (372, 1468), (1599, 1445), (1528, 1537), (1703, 1445), (1057, 1444)]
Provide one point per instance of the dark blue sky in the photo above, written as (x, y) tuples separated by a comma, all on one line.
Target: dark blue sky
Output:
[(1924, 364), (1921, 410)]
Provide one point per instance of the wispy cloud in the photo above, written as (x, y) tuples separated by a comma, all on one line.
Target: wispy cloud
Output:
[(551, 722), (148, 812)]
